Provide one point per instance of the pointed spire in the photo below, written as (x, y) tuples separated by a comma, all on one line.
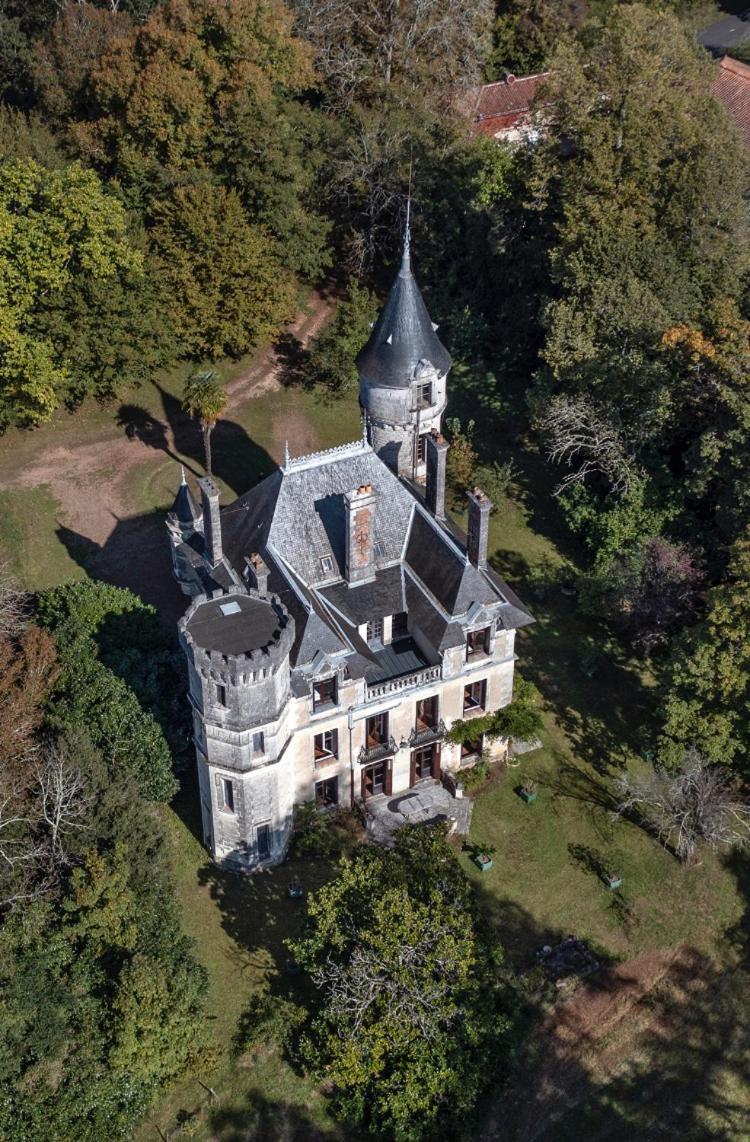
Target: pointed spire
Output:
[(406, 255), (364, 427), (286, 453), (183, 481)]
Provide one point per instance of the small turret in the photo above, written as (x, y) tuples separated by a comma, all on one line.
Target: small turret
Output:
[(403, 369), (184, 521)]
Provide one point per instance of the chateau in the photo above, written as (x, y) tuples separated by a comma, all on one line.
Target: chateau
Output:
[(338, 622)]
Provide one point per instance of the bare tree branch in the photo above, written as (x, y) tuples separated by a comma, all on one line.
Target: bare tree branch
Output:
[(581, 436)]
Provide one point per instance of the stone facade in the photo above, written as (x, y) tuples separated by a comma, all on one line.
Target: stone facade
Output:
[(338, 624)]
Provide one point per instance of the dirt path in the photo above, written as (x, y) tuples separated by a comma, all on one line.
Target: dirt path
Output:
[(587, 1040), (263, 374), (92, 480)]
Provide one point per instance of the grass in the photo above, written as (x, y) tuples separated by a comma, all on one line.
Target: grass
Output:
[(599, 711), (29, 520), (239, 925)]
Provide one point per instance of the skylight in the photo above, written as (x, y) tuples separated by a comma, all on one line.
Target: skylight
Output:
[(327, 564), (231, 608)]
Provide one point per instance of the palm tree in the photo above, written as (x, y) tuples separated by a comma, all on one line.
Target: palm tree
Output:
[(205, 399)]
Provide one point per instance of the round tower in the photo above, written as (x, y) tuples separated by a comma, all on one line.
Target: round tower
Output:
[(402, 377), (237, 647)]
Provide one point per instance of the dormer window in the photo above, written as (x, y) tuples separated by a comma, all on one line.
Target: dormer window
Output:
[(478, 643), (325, 693), (379, 550), (375, 631), (424, 394), (326, 565)]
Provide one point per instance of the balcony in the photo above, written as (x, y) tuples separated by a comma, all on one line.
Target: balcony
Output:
[(425, 735), (401, 666), (377, 752)]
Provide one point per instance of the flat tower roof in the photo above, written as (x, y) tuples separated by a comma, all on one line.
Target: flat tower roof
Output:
[(233, 624)]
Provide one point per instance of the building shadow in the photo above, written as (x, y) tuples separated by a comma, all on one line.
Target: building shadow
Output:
[(136, 556)]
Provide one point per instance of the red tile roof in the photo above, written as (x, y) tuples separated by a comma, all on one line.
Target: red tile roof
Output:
[(500, 105), (732, 88)]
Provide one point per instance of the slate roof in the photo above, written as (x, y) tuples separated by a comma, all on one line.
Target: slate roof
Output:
[(296, 518), (445, 573), (731, 86), (299, 512), (726, 33), (402, 336), (384, 595), (184, 504)]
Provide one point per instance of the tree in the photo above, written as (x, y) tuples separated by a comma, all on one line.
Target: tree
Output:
[(331, 362), (435, 47), (205, 399), (696, 805), (406, 1016), (641, 180), (115, 681), (225, 288), (57, 228), (708, 685), (520, 721), (647, 591), (462, 460), (580, 434)]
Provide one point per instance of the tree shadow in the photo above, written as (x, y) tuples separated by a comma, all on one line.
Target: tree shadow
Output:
[(293, 362), (238, 460), (260, 1119)]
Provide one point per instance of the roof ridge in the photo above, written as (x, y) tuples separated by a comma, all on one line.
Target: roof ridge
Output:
[(338, 452), (516, 79)]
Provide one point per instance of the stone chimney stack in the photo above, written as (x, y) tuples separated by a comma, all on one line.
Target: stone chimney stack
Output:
[(257, 572), (360, 539), (437, 456), (211, 519), (477, 538)]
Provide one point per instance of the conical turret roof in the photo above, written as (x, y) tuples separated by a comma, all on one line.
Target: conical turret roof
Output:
[(402, 336), (184, 504)]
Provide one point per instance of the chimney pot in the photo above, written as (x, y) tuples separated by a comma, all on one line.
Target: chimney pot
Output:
[(211, 519), (360, 538), (436, 458), (258, 572), (477, 538)]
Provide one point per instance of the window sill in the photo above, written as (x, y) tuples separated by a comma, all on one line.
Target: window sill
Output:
[(474, 711)]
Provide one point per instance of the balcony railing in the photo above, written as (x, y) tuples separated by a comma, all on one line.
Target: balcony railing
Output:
[(377, 752), (405, 682), (426, 734)]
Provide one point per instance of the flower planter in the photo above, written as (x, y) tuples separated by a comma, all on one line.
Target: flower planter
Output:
[(529, 796), (295, 890), (483, 862), (612, 881)]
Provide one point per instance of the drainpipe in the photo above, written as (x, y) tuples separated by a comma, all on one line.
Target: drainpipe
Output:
[(350, 718)]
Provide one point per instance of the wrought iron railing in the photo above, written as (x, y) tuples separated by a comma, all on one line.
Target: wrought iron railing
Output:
[(377, 752), (427, 734)]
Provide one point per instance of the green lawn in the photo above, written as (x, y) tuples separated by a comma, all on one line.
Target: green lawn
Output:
[(29, 520)]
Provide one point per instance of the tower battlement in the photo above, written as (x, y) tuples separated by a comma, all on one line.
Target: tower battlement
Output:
[(237, 638)]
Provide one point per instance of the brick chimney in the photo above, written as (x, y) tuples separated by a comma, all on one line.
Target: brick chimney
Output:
[(360, 540), (477, 538), (437, 456), (257, 572), (211, 519)]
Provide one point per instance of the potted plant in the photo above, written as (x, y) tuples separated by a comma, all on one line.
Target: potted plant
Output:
[(528, 792), (482, 856), (295, 889), (612, 880)]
